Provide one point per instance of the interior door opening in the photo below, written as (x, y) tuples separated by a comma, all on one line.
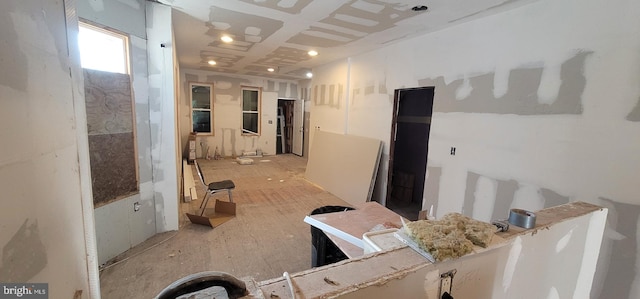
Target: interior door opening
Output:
[(290, 126), (409, 147)]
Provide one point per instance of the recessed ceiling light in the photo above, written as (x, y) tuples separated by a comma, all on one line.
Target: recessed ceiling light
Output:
[(211, 62), (309, 74), (271, 69), (313, 53), (226, 38)]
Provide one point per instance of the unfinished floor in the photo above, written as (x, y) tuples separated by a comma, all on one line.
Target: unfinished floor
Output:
[(265, 239)]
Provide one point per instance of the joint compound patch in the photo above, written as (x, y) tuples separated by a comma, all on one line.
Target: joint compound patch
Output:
[(24, 256)]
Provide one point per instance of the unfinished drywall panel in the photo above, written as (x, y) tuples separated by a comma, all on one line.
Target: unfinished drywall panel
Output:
[(112, 229), (42, 236), (572, 82), (162, 116), (344, 165), (120, 225), (227, 107), (120, 15)]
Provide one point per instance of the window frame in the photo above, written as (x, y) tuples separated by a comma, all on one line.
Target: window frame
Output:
[(246, 132), (210, 109), (112, 32)]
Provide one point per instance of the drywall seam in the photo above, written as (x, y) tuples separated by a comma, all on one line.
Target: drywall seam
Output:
[(346, 97)]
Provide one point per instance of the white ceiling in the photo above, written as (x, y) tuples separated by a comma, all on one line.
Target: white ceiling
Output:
[(279, 33)]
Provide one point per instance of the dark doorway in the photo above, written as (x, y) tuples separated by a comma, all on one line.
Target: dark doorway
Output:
[(409, 147), (284, 126)]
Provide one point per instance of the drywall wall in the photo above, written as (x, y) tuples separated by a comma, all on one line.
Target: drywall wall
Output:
[(539, 101), (122, 15), (227, 115), (115, 239), (45, 188), (511, 267), (163, 116), (515, 270)]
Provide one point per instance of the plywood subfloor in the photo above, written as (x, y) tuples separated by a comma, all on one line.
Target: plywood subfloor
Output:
[(267, 237)]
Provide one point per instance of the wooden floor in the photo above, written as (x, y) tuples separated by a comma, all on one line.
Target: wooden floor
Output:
[(265, 239)]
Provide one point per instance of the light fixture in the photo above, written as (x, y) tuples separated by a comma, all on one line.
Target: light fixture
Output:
[(226, 38), (313, 53), (271, 69), (212, 62), (309, 74)]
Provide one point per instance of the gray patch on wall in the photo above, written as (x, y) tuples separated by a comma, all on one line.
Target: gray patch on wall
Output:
[(14, 70), (469, 197), (271, 86), (521, 96), (334, 96), (143, 138), (505, 192), (232, 136), (332, 92), (235, 91), (189, 78), (552, 199), (282, 89), (634, 115), (160, 215), (293, 92), (432, 186), (621, 272), (369, 89), (382, 87), (24, 256)]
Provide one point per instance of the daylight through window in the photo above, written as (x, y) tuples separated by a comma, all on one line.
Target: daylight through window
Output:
[(102, 49)]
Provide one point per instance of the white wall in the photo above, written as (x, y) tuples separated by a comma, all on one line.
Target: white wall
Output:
[(227, 107), (130, 228), (163, 116), (46, 192), (541, 104), (511, 271)]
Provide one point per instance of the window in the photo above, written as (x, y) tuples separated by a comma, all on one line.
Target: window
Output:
[(102, 49), (109, 104), (202, 108), (251, 110)]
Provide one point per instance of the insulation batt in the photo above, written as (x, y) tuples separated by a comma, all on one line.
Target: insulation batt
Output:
[(451, 237)]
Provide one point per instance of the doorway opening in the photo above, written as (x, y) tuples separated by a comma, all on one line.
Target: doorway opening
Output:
[(290, 126), (409, 146)]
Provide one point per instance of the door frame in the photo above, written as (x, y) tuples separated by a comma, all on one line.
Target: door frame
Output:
[(301, 129), (394, 132)]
